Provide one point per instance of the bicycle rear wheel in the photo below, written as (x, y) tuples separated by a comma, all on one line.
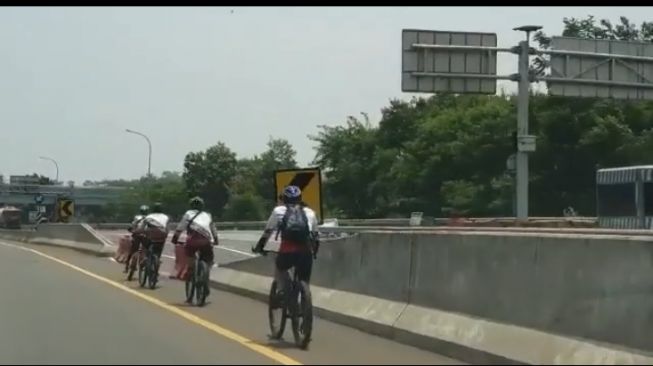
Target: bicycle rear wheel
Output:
[(190, 289), (277, 314), (153, 269), (201, 287), (142, 271), (302, 314)]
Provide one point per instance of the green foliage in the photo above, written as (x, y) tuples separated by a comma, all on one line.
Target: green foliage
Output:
[(246, 207), (209, 174)]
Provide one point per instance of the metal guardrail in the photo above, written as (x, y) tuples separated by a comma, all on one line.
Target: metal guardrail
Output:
[(517, 230), (396, 221)]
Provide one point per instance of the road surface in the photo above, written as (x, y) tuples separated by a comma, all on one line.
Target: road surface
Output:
[(59, 306)]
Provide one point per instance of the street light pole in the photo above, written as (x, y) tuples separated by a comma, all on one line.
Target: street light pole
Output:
[(523, 137), (149, 144), (55, 164)]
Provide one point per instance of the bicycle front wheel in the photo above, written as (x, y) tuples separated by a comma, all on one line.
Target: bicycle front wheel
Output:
[(277, 314), (201, 280), (142, 272), (153, 269), (302, 315), (190, 289)]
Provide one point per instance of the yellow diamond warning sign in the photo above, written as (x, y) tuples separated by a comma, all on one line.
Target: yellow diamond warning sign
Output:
[(309, 180)]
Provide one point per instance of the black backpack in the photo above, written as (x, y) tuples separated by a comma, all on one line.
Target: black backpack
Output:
[(294, 225)]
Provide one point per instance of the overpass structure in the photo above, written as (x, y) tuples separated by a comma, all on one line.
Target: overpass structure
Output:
[(28, 196), (23, 195)]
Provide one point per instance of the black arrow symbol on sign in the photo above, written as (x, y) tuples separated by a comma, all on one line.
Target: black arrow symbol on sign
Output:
[(301, 180), (66, 208)]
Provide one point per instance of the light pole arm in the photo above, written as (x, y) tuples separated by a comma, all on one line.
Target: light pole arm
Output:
[(149, 144), (55, 165)]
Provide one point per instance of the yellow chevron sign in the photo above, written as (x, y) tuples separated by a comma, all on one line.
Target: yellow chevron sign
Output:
[(309, 180), (66, 208)]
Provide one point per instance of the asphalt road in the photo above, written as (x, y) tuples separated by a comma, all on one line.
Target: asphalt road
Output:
[(59, 306)]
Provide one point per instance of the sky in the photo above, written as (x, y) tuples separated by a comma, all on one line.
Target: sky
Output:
[(72, 79)]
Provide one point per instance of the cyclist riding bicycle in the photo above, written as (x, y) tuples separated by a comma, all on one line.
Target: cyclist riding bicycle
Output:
[(154, 228), (201, 234), (136, 238), (298, 227)]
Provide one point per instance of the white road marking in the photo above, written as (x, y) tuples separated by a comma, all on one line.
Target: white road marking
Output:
[(237, 251)]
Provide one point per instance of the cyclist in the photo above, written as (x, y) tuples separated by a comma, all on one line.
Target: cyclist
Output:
[(136, 238), (201, 233), (154, 228), (298, 227)]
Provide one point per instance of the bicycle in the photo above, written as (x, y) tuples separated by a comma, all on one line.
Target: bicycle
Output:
[(197, 284), (296, 304), (148, 270)]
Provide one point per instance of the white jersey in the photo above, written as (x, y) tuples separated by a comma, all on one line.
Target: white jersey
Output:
[(201, 223), (280, 211), (158, 220)]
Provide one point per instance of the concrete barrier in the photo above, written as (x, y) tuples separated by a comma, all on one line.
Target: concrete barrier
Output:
[(75, 236), (486, 296)]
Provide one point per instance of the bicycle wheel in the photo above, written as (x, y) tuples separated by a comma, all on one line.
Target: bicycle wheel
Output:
[(153, 269), (277, 313), (142, 271), (302, 314), (201, 284), (190, 288)]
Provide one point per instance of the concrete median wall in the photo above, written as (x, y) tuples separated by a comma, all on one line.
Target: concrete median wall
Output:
[(76, 236), (597, 287)]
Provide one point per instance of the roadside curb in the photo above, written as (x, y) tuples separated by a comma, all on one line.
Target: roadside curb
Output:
[(463, 337)]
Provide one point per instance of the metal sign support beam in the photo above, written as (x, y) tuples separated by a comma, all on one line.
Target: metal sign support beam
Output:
[(522, 131)]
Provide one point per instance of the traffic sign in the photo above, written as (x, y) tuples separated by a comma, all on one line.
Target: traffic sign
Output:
[(66, 208), (309, 180), (439, 61), (38, 198), (601, 68)]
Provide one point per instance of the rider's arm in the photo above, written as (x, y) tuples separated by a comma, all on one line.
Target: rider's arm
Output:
[(273, 222), (180, 227), (214, 232), (315, 235), (133, 224), (140, 227)]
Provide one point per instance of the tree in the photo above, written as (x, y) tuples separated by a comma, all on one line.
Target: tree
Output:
[(279, 155), (210, 174), (345, 153), (245, 207)]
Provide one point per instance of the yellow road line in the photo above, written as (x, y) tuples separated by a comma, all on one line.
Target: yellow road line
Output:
[(263, 350)]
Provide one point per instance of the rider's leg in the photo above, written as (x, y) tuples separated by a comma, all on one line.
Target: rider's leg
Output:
[(304, 266), (189, 250), (207, 255), (158, 251), (282, 264)]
